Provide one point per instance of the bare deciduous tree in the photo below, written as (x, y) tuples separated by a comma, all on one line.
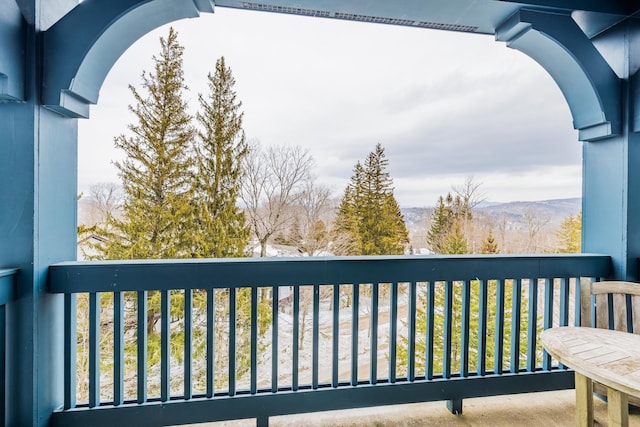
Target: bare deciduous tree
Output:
[(315, 214), (273, 182)]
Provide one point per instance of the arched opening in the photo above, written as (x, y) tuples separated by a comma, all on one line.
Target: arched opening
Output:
[(444, 105)]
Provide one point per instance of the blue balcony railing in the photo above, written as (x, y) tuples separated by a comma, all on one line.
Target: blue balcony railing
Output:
[(6, 296), (188, 341)]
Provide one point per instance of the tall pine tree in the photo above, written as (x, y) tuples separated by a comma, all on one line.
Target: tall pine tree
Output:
[(369, 216), (220, 147), (156, 174)]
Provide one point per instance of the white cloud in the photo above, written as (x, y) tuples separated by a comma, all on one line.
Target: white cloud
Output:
[(444, 105)]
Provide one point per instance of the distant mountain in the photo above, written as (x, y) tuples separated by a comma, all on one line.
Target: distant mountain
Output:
[(515, 213), (555, 210)]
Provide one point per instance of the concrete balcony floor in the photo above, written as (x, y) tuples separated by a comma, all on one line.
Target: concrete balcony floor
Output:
[(556, 408)]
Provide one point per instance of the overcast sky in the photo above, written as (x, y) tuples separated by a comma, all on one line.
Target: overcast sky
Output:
[(444, 105)]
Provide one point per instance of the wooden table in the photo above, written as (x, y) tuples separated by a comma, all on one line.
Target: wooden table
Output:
[(611, 358)]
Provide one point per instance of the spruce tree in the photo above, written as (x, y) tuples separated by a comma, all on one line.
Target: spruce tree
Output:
[(156, 177), (222, 230), (369, 215)]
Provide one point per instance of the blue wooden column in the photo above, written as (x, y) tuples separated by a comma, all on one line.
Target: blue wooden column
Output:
[(594, 60), (37, 212), (611, 167), (54, 56)]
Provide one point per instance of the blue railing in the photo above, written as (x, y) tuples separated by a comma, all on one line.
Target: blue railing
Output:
[(7, 293), (187, 341)]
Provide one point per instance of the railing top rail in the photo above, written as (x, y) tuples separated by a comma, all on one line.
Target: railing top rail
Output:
[(110, 276), (7, 284)]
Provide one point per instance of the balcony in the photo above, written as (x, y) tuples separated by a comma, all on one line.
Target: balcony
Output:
[(421, 329)]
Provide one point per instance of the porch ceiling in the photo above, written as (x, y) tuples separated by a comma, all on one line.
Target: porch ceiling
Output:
[(476, 16)]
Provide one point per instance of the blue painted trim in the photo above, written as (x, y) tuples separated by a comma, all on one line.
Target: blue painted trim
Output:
[(393, 332), (373, 325), (254, 342), (588, 83), (110, 276), (165, 345), (516, 307), (498, 343), (295, 338), (548, 318), (82, 47), (464, 332), (188, 343), (482, 327), (269, 404), (532, 324), (430, 326), (335, 335), (118, 348), (274, 339), (142, 304), (7, 285), (577, 304), (411, 333), (355, 317), (211, 342), (70, 349), (94, 349), (12, 48), (564, 302), (629, 311), (231, 356), (316, 336), (448, 332)]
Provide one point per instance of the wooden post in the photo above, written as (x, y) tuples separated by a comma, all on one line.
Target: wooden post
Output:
[(584, 401)]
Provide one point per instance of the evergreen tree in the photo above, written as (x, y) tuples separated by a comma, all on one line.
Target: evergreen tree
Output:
[(490, 246), (222, 230), (369, 216), (156, 177), (445, 234), (570, 234)]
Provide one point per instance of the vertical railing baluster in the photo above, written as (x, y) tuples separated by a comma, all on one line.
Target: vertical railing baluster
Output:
[(577, 315), (373, 362), (610, 315), (355, 318), (498, 344), (165, 345), (188, 342), (232, 341), (335, 336), (411, 332), (564, 302), (274, 339), (142, 346), (118, 348), (532, 324), (464, 333), (429, 348), (629, 311), (296, 339), (70, 350), (482, 327), (211, 342), (3, 361), (564, 305), (516, 296), (393, 332), (448, 329), (94, 349), (316, 336), (254, 341), (548, 317)]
